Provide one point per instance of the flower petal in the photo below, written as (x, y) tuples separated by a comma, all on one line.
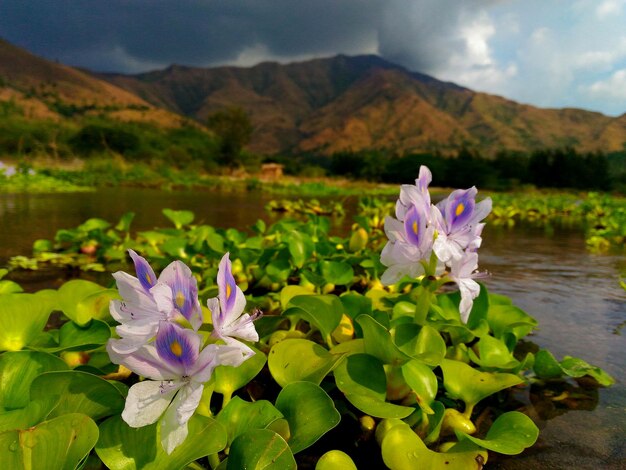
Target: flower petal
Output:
[(174, 428), (144, 271), (147, 400)]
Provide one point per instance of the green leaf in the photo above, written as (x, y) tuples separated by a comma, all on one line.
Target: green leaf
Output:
[(510, 319), (179, 218), (240, 416), (322, 311), (78, 392), (175, 247), (510, 434), (10, 287), (124, 448), (260, 450), (124, 223), (74, 337), (61, 443), (493, 353), (378, 342), (337, 272), (463, 382), (18, 370), (402, 449), (229, 378), (83, 300), (94, 224), (22, 318), (300, 247), (335, 460), (278, 270), (309, 411), (423, 382), (289, 292), (23, 418), (575, 367), (546, 366), (422, 343), (361, 377), (294, 360)]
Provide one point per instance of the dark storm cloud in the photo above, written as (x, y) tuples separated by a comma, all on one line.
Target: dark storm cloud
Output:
[(133, 35)]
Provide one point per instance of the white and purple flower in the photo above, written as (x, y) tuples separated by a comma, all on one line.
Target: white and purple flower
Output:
[(230, 323), (426, 239), (178, 370), (148, 301)]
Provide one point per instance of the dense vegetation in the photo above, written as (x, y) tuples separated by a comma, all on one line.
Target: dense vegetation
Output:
[(218, 148)]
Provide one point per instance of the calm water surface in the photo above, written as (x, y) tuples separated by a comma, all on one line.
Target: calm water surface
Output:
[(574, 294)]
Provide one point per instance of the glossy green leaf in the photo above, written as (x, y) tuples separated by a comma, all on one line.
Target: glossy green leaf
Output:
[(510, 434), (322, 311), (121, 447), (423, 382), (179, 218), (493, 353), (337, 272), (78, 392), (260, 450), (294, 360), (229, 378), (22, 318), (463, 382), (83, 300), (300, 247), (240, 416), (379, 343), (278, 270), (402, 449), (309, 411), (335, 460), (289, 292), (17, 371), (546, 366), (61, 443), (22, 418), (423, 343), (76, 337), (175, 247), (361, 377), (510, 319), (575, 367)]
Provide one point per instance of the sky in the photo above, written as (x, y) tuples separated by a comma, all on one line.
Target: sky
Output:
[(549, 53)]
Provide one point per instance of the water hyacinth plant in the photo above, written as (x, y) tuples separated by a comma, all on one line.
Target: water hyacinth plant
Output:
[(341, 371)]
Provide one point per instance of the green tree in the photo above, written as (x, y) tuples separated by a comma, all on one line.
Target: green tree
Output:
[(233, 128)]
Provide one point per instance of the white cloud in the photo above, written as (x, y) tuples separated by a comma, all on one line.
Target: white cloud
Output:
[(609, 8), (613, 88)]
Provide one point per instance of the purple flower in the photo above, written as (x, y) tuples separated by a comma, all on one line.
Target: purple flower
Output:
[(148, 301), (229, 320), (178, 370), (457, 219)]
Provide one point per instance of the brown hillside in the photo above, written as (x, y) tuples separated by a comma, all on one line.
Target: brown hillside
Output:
[(364, 102), (41, 87)]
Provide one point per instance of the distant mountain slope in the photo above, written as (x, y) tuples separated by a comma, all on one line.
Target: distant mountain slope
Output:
[(321, 105), (365, 102), (50, 90)]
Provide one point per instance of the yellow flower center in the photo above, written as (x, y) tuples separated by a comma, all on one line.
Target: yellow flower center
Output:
[(229, 290), (148, 278), (176, 349), (180, 299), (459, 209), (415, 227)]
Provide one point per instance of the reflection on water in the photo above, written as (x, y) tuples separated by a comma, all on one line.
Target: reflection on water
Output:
[(574, 294)]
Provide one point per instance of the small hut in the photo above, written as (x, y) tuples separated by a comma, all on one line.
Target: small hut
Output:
[(271, 171)]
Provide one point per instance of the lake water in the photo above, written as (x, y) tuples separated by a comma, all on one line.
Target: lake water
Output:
[(574, 294)]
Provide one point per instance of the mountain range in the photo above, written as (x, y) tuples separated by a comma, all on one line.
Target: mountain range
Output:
[(321, 105)]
